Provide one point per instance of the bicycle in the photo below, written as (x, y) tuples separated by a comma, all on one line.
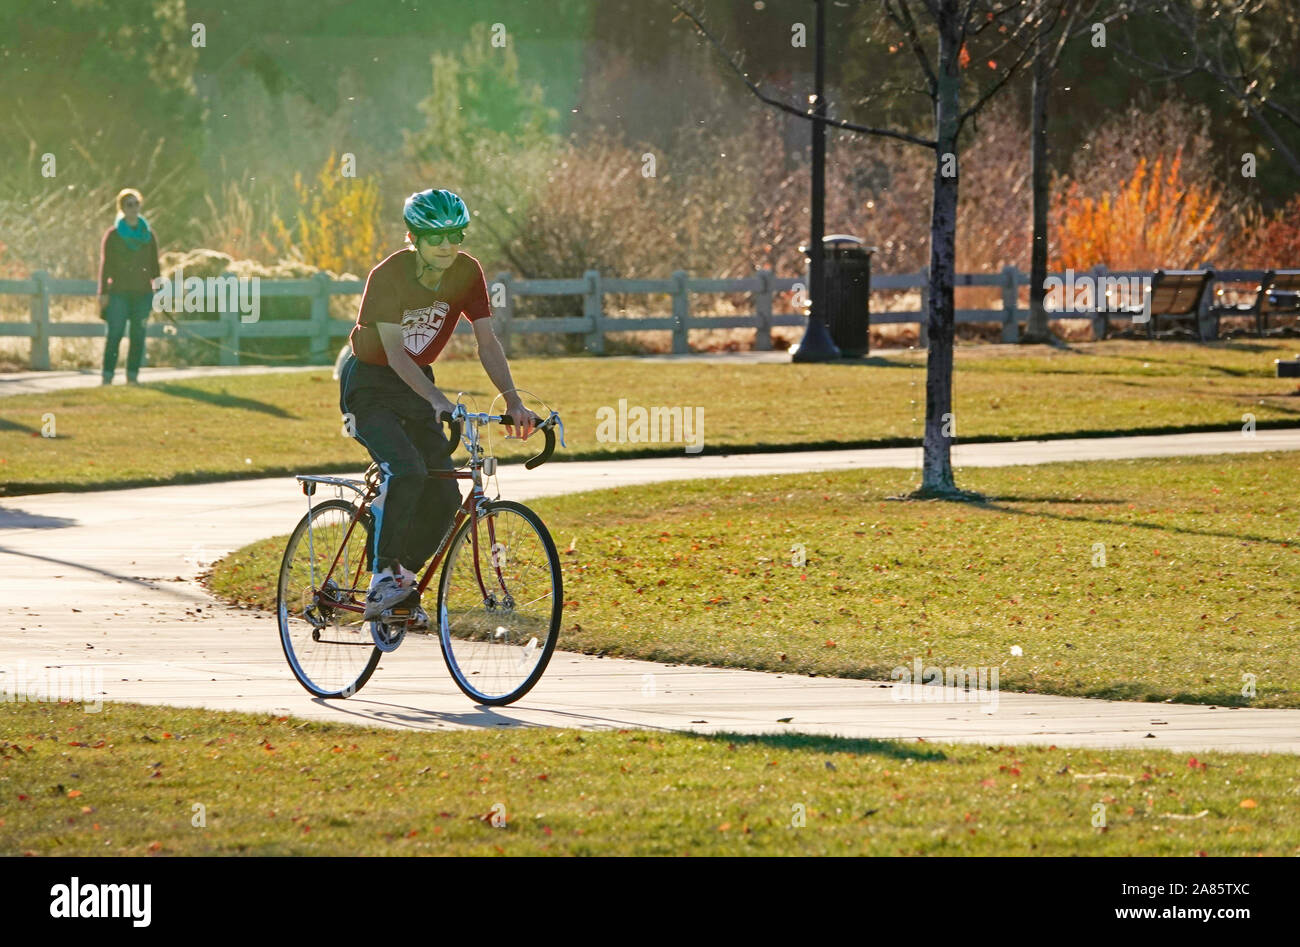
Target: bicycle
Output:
[(500, 595)]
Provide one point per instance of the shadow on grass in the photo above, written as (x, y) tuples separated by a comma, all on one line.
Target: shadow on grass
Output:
[(221, 399), (1162, 366), (817, 743), (1285, 409), (1199, 367), (7, 425), (986, 503), (878, 361), (1054, 499)]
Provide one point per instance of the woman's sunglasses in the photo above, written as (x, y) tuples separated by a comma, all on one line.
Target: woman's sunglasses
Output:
[(435, 239)]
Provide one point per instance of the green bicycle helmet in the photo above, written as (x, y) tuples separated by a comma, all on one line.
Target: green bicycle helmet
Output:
[(434, 211)]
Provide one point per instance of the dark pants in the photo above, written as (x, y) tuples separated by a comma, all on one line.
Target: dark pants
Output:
[(124, 307), (402, 434)]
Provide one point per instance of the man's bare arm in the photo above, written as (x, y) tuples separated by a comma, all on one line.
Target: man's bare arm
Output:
[(493, 357)]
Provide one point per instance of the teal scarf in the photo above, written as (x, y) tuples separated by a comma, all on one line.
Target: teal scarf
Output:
[(136, 237)]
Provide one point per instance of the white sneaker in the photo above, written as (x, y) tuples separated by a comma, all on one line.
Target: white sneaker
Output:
[(386, 590)]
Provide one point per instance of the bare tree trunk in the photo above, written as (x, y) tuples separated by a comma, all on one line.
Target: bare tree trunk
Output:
[(936, 474), (1037, 329)]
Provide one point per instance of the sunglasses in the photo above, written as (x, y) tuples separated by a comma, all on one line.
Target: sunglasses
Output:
[(435, 239)]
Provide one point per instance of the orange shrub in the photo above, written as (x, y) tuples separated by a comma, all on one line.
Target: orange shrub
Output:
[(1154, 219)]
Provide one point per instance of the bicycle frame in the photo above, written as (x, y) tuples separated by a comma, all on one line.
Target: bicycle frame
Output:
[(471, 508)]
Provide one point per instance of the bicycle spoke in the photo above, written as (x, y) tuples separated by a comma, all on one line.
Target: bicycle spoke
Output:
[(495, 645), (335, 654)]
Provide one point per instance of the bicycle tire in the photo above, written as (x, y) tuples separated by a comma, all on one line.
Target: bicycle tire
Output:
[(454, 548), (313, 686)]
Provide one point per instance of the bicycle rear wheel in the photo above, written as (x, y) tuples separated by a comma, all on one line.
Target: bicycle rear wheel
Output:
[(499, 603), (330, 650)]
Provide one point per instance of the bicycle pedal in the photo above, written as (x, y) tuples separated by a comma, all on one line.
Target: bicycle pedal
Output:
[(405, 615)]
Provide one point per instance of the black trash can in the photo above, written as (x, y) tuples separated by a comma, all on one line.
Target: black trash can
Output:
[(848, 292)]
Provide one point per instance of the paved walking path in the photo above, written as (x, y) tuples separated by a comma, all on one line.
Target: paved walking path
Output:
[(26, 383), (105, 581)]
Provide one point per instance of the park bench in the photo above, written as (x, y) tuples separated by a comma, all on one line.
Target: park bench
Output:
[(1277, 294), (1176, 296), (1280, 295), (1236, 298)]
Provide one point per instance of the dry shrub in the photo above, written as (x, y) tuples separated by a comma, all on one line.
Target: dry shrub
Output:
[(994, 222), (242, 224), (187, 349), (726, 193), (56, 224), (1143, 192), (1267, 241)]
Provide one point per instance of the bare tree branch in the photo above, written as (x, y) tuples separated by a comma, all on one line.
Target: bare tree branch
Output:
[(1026, 55), (808, 114), (903, 19), (1213, 47)]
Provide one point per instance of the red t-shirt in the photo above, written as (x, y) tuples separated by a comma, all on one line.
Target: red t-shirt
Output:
[(427, 317)]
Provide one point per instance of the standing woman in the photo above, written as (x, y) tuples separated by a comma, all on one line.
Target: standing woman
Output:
[(128, 267)]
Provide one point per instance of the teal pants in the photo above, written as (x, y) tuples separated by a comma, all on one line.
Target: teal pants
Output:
[(124, 309)]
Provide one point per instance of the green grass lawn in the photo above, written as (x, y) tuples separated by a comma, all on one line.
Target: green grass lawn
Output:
[(221, 427), (1200, 585), (135, 780)]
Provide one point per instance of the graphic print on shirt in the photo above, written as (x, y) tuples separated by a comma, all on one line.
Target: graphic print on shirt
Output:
[(419, 326)]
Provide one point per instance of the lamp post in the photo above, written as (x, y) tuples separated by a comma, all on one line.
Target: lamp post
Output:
[(816, 345)]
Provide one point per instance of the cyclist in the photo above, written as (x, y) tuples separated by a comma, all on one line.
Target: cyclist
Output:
[(411, 305)]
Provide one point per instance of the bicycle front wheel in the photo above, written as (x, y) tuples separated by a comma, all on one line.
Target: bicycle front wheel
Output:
[(499, 603), (330, 650)]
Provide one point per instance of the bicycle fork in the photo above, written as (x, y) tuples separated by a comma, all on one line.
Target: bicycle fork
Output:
[(496, 556)]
